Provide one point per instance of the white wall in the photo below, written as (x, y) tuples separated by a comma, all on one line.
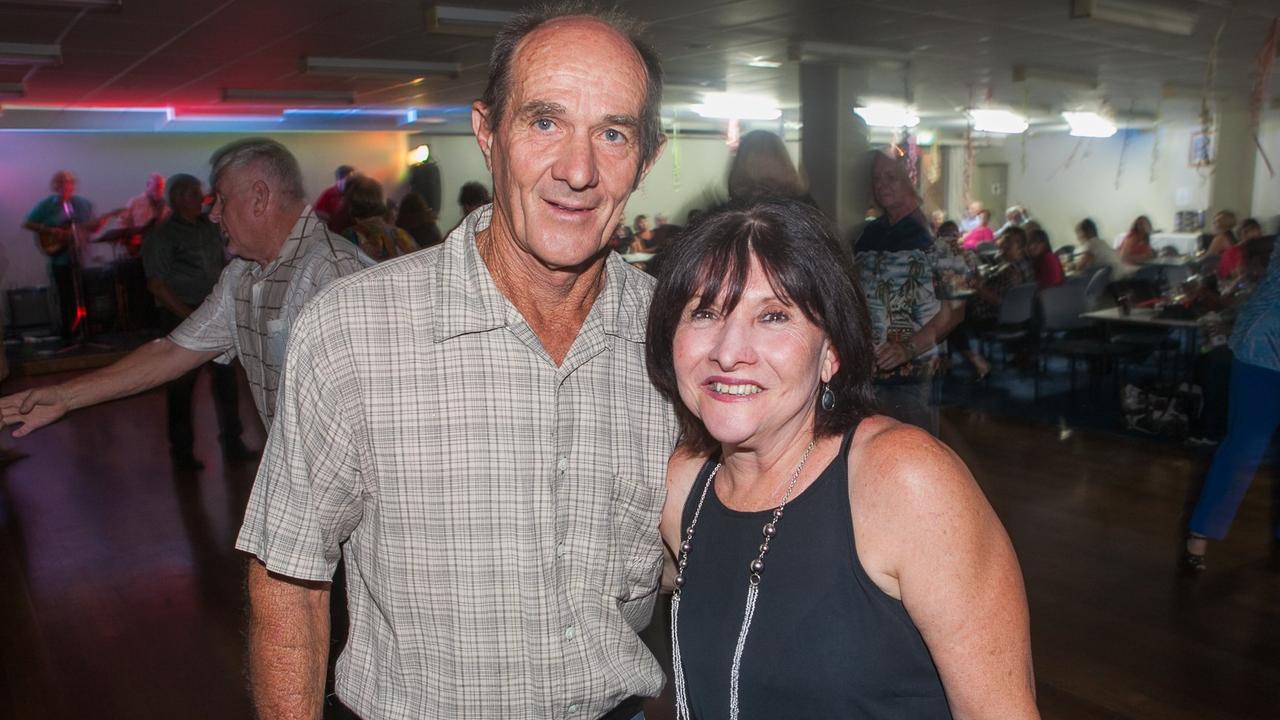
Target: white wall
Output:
[(1060, 189), (113, 167)]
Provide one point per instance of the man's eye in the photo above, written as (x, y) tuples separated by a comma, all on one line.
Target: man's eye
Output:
[(543, 124), (614, 136)]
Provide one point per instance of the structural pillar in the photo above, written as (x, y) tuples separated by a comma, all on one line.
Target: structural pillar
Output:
[(1231, 187), (833, 144)]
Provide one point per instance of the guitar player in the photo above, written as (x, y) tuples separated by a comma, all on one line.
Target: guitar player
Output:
[(56, 221)]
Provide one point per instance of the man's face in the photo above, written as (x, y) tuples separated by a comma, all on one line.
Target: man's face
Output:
[(233, 210), (567, 150), (65, 185), (891, 186), (642, 223), (155, 187), (188, 201)]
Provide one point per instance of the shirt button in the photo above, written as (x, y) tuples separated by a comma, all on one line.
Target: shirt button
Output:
[(562, 464), (573, 708), (570, 632), (559, 550)]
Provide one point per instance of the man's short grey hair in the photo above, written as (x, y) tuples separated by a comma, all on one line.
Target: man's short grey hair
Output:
[(271, 157), (508, 39)]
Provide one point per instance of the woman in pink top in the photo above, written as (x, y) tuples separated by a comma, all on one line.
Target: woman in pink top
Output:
[(980, 234)]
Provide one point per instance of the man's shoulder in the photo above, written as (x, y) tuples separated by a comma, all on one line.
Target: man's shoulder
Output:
[(382, 279)]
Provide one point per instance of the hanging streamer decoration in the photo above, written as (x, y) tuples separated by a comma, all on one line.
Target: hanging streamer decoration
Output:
[(969, 156), (933, 168), (1124, 148), (675, 154), (1155, 138), (1210, 76), (1026, 112), (1261, 85)]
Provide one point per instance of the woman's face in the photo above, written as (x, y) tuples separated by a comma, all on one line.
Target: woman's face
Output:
[(752, 376)]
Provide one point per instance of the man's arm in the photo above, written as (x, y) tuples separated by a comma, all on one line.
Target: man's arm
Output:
[(288, 644), (153, 364)]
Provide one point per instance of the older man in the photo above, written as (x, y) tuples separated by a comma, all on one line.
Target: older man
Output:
[(284, 255), (60, 221), (472, 429)]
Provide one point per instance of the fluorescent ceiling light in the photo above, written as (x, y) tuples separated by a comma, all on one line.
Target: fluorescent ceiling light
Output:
[(328, 97), (29, 54), (998, 121), (730, 106), (73, 4), (12, 90), (1089, 124), (1085, 80), (762, 62), (455, 20), (809, 50), (926, 137), (1146, 16), (377, 66), (886, 115)]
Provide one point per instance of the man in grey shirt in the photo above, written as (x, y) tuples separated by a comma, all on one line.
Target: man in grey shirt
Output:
[(183, 257), (472, 429)]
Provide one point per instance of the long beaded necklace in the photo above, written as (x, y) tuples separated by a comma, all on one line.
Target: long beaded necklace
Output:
[(755, 570)]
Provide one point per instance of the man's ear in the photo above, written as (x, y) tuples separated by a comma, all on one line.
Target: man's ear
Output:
[(657, 153), (261, 194), (480, 126)]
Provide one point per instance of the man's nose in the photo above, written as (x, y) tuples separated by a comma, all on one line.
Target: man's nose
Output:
[(576, 165)]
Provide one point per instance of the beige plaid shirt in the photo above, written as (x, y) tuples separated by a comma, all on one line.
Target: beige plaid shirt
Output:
[(499, 513), (249, 312)]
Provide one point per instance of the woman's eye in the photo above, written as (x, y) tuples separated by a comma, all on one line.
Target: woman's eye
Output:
[(775, 316), (701, 314)]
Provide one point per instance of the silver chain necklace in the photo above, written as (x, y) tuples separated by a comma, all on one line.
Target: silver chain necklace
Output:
[(755, 569)]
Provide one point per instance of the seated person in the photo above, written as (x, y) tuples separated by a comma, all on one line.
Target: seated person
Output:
[(1136, 247), (1097, 253), (1047, 265), (1224, 236), (1231, 261), (983, 308), (981, 233)]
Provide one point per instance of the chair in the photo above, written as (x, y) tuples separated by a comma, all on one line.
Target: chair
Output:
[(1065, 336), (1013, 322), (1097, 287)]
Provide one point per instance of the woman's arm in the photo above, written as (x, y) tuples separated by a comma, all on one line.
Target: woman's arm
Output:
[(682, 471), (926, 534)]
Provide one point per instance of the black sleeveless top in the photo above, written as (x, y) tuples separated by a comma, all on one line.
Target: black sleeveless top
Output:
[(825, 642)]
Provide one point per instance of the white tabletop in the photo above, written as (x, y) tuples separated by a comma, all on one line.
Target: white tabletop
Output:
[(1138, 316), (1184, 242)]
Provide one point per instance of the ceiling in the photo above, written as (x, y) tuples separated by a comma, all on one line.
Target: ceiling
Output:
[(178, 57)]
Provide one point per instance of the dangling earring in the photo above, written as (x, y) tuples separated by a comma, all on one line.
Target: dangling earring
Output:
[(828, 397)]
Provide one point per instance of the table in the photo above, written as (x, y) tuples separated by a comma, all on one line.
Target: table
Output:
[(1186, 243), (1148, 318)]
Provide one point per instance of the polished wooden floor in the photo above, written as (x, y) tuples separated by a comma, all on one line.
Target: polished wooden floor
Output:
[(120, 595)]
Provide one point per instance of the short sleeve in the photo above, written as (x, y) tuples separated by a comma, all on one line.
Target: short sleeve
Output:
[(40, 213), (307, 498), (211, 328)]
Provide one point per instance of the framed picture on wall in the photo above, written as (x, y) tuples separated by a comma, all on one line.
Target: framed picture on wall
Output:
[(1201, 150)]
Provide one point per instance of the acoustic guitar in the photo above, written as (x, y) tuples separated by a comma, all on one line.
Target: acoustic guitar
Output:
[(56, 239)]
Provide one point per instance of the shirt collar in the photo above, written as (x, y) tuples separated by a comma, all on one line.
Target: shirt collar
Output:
[(302, 227), (468, 300)]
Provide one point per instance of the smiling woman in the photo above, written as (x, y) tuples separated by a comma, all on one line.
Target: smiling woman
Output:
[(892, 590)]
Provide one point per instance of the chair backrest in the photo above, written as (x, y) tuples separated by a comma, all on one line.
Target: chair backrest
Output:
[(1097, 286), (1150, 273), (1018, 305), (1062, 307)]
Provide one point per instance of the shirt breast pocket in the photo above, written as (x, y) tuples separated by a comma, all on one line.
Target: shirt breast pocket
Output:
[(277, 341)]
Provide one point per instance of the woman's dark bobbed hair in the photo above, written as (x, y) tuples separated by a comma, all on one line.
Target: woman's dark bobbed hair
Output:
[(797, 250)]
